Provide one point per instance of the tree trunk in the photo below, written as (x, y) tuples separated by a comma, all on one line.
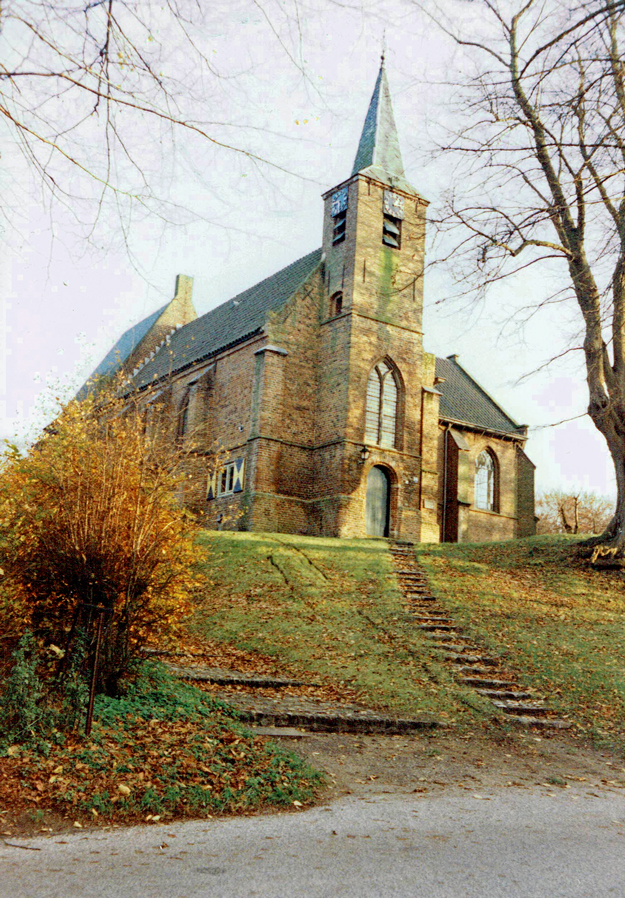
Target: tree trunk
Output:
[(611, 424), (565, 524)]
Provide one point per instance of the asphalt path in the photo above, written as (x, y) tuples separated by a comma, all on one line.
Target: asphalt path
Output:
[(503, 843)]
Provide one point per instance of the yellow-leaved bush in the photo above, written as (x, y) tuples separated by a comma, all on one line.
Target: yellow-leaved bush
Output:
[(88, 520)]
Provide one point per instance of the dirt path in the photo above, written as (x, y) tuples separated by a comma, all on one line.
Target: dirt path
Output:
[(432, 763)]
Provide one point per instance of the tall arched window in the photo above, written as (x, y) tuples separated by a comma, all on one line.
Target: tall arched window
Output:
[(485, 491), (381, 414), (186, 412), (183, 417)]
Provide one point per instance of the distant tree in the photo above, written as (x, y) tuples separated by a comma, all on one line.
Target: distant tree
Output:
[(541, 176), (582, 512), (89, 520)]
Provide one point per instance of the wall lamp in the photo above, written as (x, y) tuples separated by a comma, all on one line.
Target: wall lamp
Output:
[(364, 454)]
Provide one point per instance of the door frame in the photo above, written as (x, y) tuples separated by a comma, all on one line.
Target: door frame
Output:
[(391, 504)]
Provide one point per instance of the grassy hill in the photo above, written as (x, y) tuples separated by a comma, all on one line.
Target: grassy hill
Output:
[(549, 616), (331, 610)]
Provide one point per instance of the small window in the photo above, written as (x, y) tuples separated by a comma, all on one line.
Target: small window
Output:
[(230, 479), (340, 225), (485, 487), (336, 304), (391, 232)]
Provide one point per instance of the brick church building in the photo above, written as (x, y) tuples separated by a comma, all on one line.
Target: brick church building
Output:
[(330, 417)]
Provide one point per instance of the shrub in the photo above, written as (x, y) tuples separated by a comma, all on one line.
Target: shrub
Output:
[(23, 713), (89, 519)]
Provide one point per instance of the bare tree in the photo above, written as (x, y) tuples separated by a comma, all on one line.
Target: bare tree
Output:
[(95, 93), (543, 151), (582, 512)]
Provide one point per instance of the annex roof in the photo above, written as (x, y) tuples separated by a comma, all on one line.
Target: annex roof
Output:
[(379, 154), (230, 323), (465, 401)]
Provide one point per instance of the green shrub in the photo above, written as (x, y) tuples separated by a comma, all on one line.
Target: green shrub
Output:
[(24, 713)]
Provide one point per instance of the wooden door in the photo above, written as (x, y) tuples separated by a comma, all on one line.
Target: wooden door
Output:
[(378, 502)]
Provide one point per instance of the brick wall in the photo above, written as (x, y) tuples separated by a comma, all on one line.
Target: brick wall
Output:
[(526, 519)]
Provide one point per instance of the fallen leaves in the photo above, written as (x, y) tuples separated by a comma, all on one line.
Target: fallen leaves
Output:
[(140, 768)]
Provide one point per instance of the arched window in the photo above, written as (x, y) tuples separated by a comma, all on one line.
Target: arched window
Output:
[(381, 414), (485, 490), (184, 414)]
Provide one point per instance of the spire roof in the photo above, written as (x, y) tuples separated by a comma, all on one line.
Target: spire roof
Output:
[(378, 153)]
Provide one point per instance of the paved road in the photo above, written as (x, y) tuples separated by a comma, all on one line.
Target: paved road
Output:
[(508, 843)]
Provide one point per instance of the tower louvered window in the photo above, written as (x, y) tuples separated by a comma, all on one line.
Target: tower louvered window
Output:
[(391, 234), (339, 214), (340, 226), (381, 412)]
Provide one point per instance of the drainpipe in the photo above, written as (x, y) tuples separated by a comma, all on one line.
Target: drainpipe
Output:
[(421, 453), (444, 521)]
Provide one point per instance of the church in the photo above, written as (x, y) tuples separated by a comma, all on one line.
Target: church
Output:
[(308, 403)]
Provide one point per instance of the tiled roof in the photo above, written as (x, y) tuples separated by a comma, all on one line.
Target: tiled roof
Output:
[(464, 400), (121, 351), (379, 154), (230, 323)]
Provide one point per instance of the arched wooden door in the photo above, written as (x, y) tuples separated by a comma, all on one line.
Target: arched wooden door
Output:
[(378, 502)]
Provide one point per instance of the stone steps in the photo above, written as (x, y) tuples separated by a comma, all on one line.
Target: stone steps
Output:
[(219, 677), (533, 709), (302, 712), (485, 682), (463, 658), (437, 627), (339, 722), (504, 694), (475, 669)]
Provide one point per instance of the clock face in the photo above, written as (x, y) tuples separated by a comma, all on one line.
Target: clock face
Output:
[(393, 204), (339, 201)]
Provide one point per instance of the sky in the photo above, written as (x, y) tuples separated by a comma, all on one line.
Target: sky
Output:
[(297, 96)]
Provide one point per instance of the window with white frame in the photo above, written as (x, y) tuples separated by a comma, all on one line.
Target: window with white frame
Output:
[(225, 484)]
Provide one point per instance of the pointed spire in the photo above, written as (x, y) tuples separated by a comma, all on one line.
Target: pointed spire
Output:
[(378, 153)]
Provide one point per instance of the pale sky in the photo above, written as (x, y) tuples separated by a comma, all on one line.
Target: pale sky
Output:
[(65, 302)]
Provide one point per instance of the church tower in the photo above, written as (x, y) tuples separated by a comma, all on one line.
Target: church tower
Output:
[(377, 412)]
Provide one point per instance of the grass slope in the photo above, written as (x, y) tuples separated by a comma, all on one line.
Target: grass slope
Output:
[(553, 620), (329, 610)]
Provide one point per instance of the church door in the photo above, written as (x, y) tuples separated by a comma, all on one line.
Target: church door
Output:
[(378, 502)]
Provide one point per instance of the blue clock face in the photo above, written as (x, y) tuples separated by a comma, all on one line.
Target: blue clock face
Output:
[(393, 204), (339, 201)]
